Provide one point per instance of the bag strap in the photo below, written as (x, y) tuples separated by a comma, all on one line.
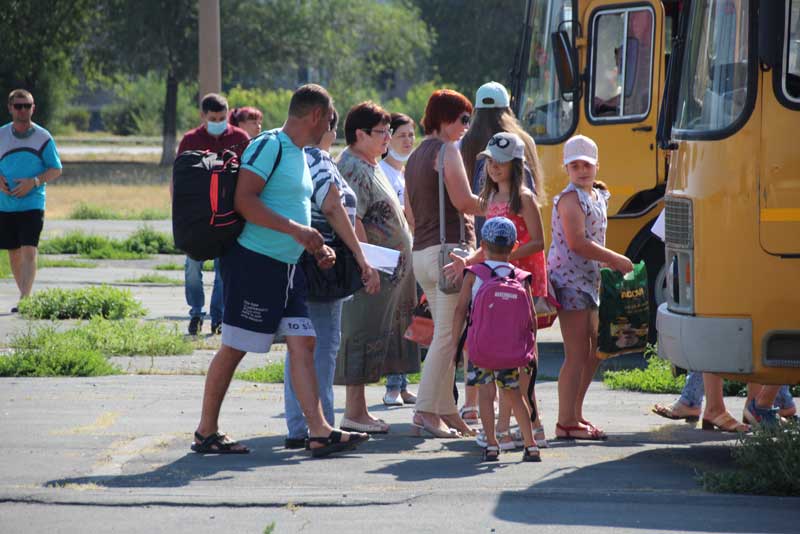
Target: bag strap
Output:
[(262, 143), (440, 172)]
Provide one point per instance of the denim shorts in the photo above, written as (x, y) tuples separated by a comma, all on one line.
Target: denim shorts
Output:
[(574, 299)]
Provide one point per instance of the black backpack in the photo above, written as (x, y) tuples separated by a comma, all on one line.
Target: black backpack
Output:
[(204, 222)]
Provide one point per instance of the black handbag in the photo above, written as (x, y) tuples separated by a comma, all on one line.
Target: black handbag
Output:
[(338, 282)]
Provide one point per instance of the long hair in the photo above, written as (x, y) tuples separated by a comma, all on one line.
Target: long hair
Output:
[(517, 186), (485, 123)]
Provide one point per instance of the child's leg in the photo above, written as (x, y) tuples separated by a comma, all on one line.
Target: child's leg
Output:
[(590, 365), (514, 398), (575, 332), (530, 403), (486, 404)]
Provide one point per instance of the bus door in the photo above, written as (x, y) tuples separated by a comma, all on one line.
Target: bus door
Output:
[(779, 176), (624, 65)]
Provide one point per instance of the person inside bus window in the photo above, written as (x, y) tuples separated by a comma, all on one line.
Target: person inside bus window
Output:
[(607, 86)]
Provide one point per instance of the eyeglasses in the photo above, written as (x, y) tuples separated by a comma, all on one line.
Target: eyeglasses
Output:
[(383, 133), (26, 105), (500, 142), (464, 119)]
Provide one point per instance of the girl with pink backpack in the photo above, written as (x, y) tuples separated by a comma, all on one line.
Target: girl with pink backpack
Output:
[(501, 332)]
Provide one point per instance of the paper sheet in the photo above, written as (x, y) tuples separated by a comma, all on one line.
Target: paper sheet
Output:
[(381, 258), (658, 227)]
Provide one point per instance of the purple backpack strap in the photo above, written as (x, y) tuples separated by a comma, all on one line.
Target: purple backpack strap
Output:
[(481, 270)]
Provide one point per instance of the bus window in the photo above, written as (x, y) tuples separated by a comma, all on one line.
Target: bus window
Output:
[(546, 116), (791, 71), (622, 64), (714, 79)]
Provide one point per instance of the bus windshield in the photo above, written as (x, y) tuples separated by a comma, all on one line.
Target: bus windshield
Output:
[(545, 115), (714, 79)]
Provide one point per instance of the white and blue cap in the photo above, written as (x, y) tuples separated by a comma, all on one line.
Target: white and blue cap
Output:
[(499, 231), (503, 147), (491, 95)]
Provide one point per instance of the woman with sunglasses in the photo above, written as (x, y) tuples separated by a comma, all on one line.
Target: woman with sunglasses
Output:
[(447, 117), (373, 325)]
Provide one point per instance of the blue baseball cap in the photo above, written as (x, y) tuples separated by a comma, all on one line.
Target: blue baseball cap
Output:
[(499, 231)]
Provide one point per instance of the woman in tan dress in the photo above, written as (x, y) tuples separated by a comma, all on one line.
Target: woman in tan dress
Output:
[(373, 325)]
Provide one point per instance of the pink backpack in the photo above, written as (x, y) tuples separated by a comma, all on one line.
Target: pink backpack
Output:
[(500, 327)]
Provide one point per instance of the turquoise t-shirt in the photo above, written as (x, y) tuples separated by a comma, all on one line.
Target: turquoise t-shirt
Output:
[(25, 156), (287, 192)]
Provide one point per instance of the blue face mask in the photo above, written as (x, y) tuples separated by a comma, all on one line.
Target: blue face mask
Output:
[(216, 128)]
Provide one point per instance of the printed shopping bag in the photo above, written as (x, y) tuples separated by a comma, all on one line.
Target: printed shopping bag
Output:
[(624, 312)]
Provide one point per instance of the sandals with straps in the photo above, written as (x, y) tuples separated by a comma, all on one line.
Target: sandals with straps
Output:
[(217, 443), (491, 453), (531, 454), (333, 443), (725, 423)]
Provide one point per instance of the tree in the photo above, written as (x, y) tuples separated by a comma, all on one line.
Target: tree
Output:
[(40, 40), (477, 41), (151, 36)]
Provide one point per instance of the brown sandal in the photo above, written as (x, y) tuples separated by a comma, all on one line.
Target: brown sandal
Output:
[(725, 423), (670, 412)]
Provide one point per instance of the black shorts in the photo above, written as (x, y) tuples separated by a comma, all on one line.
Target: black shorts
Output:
[(20, 228), (263, 297)]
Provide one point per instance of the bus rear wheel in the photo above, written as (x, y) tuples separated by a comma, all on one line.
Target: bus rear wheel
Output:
[(653, 256)]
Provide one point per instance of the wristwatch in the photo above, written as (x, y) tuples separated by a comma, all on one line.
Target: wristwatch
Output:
[(36, 181)]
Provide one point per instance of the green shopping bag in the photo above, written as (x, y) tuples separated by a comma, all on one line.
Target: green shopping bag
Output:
[(624, 312)]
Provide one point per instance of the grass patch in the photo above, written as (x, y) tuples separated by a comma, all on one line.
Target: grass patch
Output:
[(656, 378), (768, 463), (153, 279), (208, 266), (57, 359), (85, 211), (272, 373), (141, 244), (84, 303), (73, 264), (5, 267), (127, 337), (121, 198)]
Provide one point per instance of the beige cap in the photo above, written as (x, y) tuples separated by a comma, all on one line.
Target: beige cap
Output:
[(580, 147)]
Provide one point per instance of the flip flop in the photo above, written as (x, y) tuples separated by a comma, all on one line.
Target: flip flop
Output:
[(217, 443), (594, 434), (333, 443), (669, 413)]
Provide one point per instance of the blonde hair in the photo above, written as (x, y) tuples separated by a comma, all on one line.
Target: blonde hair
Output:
[(485, 123)]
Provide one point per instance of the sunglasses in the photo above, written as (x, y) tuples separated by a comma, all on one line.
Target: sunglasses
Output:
[(26, 105), (464, 119), (500, 142)]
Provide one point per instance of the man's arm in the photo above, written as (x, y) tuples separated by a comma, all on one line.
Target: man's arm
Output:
[(26, 185), (247, 201)]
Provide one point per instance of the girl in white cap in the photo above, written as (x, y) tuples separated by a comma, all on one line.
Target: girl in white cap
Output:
[(579, 224)]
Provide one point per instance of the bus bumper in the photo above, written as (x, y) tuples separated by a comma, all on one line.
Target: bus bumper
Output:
[(715, 344)]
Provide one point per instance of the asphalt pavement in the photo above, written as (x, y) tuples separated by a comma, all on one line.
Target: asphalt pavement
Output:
[(111, 454)]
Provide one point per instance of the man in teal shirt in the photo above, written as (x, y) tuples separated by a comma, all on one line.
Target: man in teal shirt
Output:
[(28, 160), (264, 290)]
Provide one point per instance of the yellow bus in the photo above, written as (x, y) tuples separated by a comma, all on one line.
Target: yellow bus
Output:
[(731, 114), (597, 68)]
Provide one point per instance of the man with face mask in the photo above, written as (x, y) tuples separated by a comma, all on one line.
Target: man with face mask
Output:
[(216, 135)]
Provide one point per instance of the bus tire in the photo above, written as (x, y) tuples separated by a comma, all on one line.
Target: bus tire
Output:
[(653, 256)]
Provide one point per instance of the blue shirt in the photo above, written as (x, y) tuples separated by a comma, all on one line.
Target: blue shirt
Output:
[(25, 156), (287, 192)]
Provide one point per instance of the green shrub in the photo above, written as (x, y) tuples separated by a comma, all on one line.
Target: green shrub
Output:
[(415, 100), (141, 244), (208, 266), (83, 303), (272, 373), (43, 262), (74, 242), (148, 241), (76, 117), (656, 378), (126, 337), (84, 212), (5, 267), (768, 463), (56, 360), (273, 104)]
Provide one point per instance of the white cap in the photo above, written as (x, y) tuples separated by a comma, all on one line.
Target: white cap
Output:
[(503, 147), (580, 147), (492, 95)]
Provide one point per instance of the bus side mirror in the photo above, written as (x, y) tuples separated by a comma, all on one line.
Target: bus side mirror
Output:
[(771, 26), (566, 69)]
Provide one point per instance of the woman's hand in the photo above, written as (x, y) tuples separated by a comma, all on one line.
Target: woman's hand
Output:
[(454, 271), (325, 256), (370, 278), (621, 263)]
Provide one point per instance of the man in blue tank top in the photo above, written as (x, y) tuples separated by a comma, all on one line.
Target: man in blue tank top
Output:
[(264, 290), (28, 160)]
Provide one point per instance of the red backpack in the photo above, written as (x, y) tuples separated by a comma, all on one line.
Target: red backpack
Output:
[(500, 329)]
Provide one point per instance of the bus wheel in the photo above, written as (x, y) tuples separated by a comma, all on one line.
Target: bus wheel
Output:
[(653, 256)]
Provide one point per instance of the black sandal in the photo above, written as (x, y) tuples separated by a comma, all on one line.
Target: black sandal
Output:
[(491, 453), (531, 454), (217, 443), (333, 443)]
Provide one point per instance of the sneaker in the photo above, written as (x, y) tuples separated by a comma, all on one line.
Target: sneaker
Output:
[(392, 398), (195, 326), (15, 310), (216, 329), (766, 417)]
